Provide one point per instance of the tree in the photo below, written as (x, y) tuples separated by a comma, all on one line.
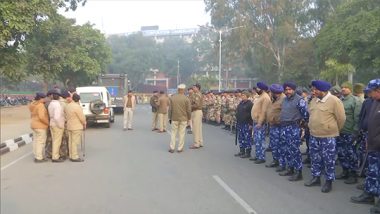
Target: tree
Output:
[(335, 71), (59, 50), (18, 19), (352, 36)]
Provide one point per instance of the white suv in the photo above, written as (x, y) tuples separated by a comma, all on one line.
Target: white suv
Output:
[(96, 104)]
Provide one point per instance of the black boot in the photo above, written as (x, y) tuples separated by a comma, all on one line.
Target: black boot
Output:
[(288, 172), (297, 176), (327, 186), (247, 154), (376, 209), (259, 161), (273, 164), (343, 175), (240, 153), (360, 186), (352, 179), (315, 181), (280, 169), (364, 198)]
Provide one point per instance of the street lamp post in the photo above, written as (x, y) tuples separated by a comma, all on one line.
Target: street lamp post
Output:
[(220, 51)]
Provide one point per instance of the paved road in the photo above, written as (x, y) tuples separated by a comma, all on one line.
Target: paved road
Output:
[(132, 172)]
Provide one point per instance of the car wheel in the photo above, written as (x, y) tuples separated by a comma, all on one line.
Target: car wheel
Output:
[(107, 125)]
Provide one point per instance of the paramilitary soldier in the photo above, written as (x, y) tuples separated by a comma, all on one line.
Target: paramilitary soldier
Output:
[(345, 142), (326, 119), (372, 181), (244, 126), (293, 111), (273, 117), (258, 113)]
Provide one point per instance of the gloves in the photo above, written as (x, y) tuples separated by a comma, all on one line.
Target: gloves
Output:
[(170, 122)]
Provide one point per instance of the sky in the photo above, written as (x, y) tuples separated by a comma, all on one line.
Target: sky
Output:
[(121, 16)]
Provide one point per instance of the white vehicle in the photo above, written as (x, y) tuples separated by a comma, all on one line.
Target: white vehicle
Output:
[(96, 104)]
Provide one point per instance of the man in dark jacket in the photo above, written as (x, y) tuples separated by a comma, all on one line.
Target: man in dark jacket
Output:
[(372, 181), (154, 104), (244, 126)]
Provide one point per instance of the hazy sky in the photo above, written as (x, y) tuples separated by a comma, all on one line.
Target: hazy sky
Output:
[(120, 16)]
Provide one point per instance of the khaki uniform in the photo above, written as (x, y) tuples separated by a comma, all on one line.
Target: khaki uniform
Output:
[(129, 107), (179, 114), (75, 123), (154, 105), (196, 118), (57, 126), (163, 105), (39, 124)]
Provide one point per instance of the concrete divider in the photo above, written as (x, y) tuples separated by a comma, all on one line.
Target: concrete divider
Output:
[(14, 144)]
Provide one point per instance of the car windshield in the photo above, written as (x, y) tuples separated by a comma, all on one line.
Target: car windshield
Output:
[(88, 97)]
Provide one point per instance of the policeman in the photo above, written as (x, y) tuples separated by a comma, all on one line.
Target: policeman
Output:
[(244, 126), (196, 117), (345, 146), (258, 113), (273, 116), (154, 104), (372, 181), (293, 111), (326, 119), (76, 123)]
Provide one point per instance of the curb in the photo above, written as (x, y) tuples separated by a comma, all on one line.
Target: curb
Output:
[(13, 144)]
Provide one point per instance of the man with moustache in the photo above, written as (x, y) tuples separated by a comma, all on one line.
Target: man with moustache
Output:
[(293, 113), (273, 117), (258, 113), (327, 118), (345, 142)]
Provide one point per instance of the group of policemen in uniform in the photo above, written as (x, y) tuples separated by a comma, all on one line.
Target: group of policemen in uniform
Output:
[(338, 123), (57, 121)]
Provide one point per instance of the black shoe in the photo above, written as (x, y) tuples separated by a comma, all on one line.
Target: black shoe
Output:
[(240, 153), (272, 165), (352, 179), (59, 160), (364, 198), (253, 159), (288, 172), (306, 161), (268, 149), (315, 181), (343, 175), (259, 161), (360, 187), (247, 154), (76, 160), (39, 161), (280, 169), (189, 132), (327, 186), (297, 176)]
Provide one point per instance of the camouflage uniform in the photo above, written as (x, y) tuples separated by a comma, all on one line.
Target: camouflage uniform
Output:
[(218, 108), (211, 108)]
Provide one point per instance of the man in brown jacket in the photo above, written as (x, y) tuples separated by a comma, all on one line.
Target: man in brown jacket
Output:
[(258, 113), (163, 105), (327, 118), (273, 115), (76, 122), (179, 116), (39, 124)]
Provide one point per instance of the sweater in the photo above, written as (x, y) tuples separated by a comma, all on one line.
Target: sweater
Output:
[(57, 117), (260, 108), (274, 110), (243, 112), (74, 116), (327, 116), (352, 107), (39, 115), (179, 108)]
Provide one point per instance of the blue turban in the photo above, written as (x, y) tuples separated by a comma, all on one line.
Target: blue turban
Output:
[(39, 96), (291, 85), (262, 86), (321, 85), (276, 88), (373, 84)]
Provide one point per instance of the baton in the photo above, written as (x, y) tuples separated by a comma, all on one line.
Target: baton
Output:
[(361, 169), (83, 144), (236, 133)]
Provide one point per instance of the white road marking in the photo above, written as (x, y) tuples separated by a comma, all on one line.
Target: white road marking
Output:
[(15, 161), (235, 196)]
